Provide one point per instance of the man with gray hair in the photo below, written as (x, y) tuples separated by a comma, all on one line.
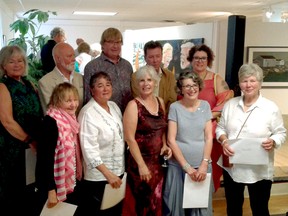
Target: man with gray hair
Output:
[(57, 35)]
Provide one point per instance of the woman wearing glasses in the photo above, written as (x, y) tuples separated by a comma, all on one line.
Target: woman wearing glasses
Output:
[(190, 138), (216, 92)]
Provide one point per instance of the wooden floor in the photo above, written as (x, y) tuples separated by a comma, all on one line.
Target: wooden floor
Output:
[(281, 162), (278, 204)]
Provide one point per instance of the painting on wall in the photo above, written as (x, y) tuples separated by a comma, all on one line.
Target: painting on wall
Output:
[(175, 53), (273, 61)]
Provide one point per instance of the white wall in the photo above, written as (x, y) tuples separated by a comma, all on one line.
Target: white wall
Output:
[(269, 34), (91, 31), (6, 17), (215, 35)]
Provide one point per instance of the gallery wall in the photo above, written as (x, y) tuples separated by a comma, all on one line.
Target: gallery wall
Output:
[(6, 17), (257, 33), (269, 34)]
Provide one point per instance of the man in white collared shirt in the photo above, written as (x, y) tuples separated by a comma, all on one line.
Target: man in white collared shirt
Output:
[(64, 57)]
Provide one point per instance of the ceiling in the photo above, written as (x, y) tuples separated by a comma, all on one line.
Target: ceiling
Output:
[(172, 11)]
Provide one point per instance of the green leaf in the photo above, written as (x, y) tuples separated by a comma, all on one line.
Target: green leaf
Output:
[(15, 26), (43, 17), (24, 27), (32, 29), (30, 11), (31, 41), (32, 15)]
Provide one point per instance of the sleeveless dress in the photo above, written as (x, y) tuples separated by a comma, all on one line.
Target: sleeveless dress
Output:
[(26, 108), (147, 197)]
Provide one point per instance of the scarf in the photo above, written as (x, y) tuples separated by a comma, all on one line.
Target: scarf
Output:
[(67, 158)]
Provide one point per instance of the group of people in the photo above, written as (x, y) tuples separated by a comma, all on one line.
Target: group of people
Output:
[(88, 130)]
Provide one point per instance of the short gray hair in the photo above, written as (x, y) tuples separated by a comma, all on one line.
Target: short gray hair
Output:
[(252, 69), (57, 31)]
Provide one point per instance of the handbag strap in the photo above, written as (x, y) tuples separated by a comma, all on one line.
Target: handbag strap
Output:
[(244, 122), (215, 84)]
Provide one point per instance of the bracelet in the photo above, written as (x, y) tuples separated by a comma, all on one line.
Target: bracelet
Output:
[(207, 160), (225, 140), (186, 166)]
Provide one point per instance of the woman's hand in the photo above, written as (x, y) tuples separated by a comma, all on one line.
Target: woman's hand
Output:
[(201, 173), (52, 199), (144, 172), (165, 150), (114, 181), (191, 172), (268, 144), (33, 145), (227, 150)]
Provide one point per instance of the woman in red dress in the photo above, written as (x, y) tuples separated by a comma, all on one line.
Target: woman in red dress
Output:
[(144, 123)]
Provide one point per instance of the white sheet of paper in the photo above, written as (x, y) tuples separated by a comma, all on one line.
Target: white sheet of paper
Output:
[(248, 151), (196, 194), (113, 196), (61, 209), (30, 160)]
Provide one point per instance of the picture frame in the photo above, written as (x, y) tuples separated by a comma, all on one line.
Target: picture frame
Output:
[(274, 62)]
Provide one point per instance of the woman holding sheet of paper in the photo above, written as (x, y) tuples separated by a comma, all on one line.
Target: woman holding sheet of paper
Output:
[(190, 138), (245, 117), (58, 164), (20, 111), (102, 144)]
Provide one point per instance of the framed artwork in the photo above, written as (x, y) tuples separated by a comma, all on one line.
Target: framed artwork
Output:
[(273, 61), (175, 53)]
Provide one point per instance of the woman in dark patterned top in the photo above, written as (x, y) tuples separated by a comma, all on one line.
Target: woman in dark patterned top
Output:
[(19, 108)]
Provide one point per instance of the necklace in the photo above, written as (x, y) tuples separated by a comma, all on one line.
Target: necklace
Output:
[(204, 75), (145, 105)]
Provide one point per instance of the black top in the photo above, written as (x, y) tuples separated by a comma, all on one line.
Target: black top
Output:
[(48, 63), (45, 155), (27, 113)]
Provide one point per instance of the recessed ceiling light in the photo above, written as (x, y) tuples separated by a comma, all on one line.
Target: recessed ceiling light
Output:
[(94, 13)]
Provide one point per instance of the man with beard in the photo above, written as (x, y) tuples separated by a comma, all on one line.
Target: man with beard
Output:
[(64, 58)]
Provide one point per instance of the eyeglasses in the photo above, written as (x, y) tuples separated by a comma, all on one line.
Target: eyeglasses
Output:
[(198, 59), (114, 42), (189, 87)]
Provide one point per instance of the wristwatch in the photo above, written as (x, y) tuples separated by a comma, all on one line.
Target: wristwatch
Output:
[(207, 160)]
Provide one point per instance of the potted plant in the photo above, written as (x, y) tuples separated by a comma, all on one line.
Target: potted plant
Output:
[(28, 38)]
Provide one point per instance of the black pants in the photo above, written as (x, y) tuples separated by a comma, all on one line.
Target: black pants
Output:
[(91, 199), (259, 195)]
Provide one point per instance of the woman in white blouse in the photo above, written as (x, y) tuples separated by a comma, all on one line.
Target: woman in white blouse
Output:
[(102, 144), (248, 117)]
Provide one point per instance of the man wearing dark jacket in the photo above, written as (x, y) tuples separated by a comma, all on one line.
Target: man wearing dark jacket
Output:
[(57, 35)]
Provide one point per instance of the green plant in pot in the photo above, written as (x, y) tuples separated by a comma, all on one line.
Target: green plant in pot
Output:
[(30, 40)]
